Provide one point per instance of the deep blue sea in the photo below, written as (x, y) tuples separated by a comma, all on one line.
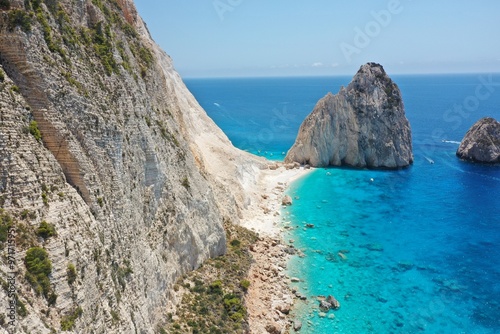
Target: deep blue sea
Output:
[(409, 251)]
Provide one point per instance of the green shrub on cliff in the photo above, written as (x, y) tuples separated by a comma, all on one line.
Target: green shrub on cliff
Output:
[(46, 230), (216, 288), (35, 131), (5, 4), (68, 321), (19, 18), (103, 47), (245, 284), (71, 273), (21, 308), (39, 267), (234, 307), (5, 224), (185, 183)]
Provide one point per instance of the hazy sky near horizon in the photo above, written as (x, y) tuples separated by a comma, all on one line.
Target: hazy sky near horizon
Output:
[(218, 38)]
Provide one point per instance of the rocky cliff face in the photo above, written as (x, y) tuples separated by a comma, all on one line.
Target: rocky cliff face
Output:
[(101, 141), (482, 142), (364, 125)]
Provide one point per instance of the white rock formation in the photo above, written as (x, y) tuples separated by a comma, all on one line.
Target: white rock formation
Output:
[(364, 125), (482, 142)]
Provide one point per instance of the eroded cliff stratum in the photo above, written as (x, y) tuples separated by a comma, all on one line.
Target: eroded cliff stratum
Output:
[(108, 164)]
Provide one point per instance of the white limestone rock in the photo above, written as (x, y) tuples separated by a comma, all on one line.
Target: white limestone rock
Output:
[(482, 142), (364, 125)]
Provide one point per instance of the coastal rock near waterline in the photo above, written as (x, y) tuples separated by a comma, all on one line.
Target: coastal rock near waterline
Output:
[(287, 200), (274, 328), (364, 125), (482, 142), (297, 325)]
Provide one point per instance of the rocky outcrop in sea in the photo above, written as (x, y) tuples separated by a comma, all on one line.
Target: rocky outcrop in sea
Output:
[(482, 142), (364, 125)]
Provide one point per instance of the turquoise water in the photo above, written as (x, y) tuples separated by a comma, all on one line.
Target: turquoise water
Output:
[(413, 256), (409, 251)]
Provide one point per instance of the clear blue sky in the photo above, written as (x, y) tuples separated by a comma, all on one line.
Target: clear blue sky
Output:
[(213, 38)]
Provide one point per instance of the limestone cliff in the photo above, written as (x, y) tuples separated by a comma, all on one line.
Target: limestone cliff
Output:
[(364, 125), (102, 145), (482, 142)]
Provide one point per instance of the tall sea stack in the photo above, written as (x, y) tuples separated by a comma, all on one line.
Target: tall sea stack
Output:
[(364, 125)]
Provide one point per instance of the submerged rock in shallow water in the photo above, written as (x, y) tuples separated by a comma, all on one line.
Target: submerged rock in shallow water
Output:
[(373, 247), (331, 257), (405, 266)]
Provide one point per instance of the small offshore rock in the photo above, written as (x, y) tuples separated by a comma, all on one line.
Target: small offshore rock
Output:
[(482, 142), (333, 302), (329, 303), (324, 306)]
